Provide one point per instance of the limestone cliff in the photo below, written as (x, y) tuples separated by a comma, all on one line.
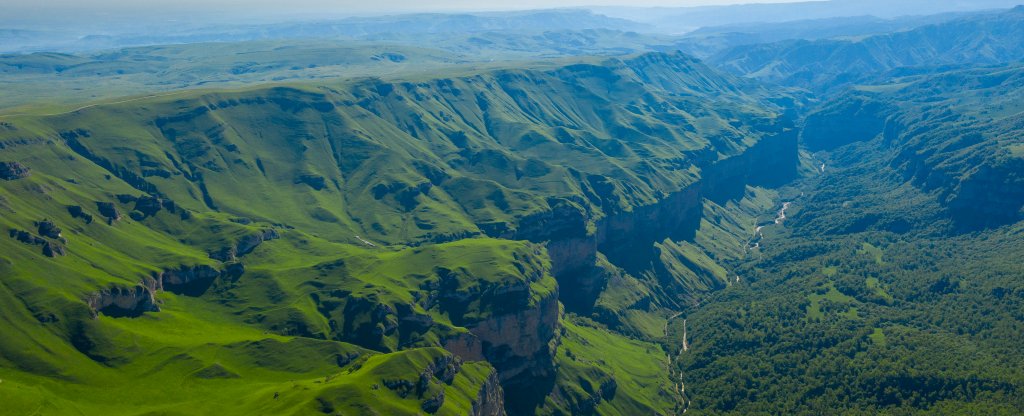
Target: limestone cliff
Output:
[(490, 401)]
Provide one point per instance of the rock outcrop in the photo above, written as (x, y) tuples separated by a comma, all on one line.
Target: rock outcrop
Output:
[(50, 248), (148, 205), (519, 345), (76, 211), (245, 245), (108, 210), (490, 401), (13, 170), (48, 229), (187, 280), (992, 195), (120, 301)]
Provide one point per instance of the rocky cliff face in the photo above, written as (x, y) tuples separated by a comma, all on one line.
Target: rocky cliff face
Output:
[(628, 238), (992, 195), (490, 401), (187, 280), (964, 156), (516, 335), (125, 301), (519, 344), (119, 301), (853, 119)]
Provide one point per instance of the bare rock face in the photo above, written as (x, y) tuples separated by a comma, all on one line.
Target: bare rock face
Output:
[(991, 196), (13, 170), (187, 280), (519, 345), (125, 301), (467, 346), (571, 254), (490, 401)]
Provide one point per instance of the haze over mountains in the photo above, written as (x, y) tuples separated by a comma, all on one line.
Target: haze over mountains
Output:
[(35, 28), (802, 208)]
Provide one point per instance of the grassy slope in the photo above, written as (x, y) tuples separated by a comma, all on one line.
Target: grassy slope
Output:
[(406, 164)]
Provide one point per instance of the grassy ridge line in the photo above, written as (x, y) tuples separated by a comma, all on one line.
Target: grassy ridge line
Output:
[(437, 144), (323, 164)]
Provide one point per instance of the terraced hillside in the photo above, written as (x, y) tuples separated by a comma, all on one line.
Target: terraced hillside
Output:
[(379, 247)]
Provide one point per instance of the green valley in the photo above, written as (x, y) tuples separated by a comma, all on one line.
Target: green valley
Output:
[(515, 213)]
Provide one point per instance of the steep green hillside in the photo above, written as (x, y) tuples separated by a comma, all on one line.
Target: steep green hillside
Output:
[(955, 135), (894, 285), (862, 303), (194, 237)]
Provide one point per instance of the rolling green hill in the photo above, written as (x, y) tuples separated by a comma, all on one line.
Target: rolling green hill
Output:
[(377, 246), (454, 216)]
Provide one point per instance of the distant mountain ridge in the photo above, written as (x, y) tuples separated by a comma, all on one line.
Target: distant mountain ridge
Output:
[(832, 63), (71, 39), (685, 19)]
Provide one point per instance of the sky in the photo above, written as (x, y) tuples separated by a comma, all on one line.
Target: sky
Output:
[(345, 6)]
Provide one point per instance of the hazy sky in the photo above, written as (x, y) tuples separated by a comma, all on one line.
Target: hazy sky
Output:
[(349, 6)]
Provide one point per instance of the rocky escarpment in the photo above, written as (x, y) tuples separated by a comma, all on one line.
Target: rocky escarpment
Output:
[(992, 195), (490, 401), (857, 118), (564, 230), (13, 170), (125, 301), (195, 280), (429, 386), (120, 301), (53, 245), (966, 159), (245, 245), (628, 238), (519, 345)]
